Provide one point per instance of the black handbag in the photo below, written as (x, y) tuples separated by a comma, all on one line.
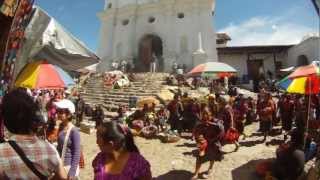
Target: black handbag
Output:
[(24, 158)]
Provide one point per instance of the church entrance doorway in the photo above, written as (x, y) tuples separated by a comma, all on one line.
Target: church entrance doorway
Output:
[(150, 50)]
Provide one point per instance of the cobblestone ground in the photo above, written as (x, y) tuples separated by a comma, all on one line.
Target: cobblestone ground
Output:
[(176, 161)]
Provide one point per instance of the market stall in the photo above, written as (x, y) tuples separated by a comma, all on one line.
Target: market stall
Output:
[(15, 15)]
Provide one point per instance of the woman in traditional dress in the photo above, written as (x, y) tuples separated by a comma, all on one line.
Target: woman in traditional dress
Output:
[(290, 161), (213, 105), (251, 115), (119, 158), (208, 134), (175, 108), (286, 110), (240, 111), (265, 110)]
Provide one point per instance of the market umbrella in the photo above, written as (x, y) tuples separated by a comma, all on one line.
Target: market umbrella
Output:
[(213, 69), (42, 75), (148, 100), (304, 80)]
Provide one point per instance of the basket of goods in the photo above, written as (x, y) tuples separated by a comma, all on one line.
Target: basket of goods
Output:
[(149, 131), (169, 138), (137, 125), (151, 118)]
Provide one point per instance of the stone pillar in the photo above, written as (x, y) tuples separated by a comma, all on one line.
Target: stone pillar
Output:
[(200, 56)]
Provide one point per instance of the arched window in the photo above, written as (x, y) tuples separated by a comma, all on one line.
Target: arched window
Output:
[(302, 60), (109, 5), (119, 50), (184, 44), (180, 15), (125, 22)]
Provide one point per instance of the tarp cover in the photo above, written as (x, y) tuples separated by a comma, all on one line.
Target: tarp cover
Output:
[(47, 39)]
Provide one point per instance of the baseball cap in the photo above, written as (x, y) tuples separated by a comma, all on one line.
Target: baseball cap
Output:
[(65, 104)]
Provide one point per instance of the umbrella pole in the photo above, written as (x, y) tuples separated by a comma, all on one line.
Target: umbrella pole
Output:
[(308, 115)]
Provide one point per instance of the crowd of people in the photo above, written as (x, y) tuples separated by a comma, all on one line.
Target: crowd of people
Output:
[(45, 138), (45, 144), (217, 120), (122, 65)]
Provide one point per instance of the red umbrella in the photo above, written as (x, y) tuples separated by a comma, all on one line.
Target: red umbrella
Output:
[(41, 75), (305, 80), (305, 71), (213, 69)]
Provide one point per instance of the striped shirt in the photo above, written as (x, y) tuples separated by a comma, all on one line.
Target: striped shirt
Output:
[(43, 155)]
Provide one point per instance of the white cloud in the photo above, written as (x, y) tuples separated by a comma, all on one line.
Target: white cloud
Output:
[(274, 27), (266, 31)]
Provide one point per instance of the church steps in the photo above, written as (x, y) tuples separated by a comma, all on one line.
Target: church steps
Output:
[(110, 108), (131, 93), (117, 100), (116, 103), (92, 98), (146, 85), (120, 93), (136, 88), (88, 94)]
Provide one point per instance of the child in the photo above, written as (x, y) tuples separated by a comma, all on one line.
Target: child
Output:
[(161, 119)]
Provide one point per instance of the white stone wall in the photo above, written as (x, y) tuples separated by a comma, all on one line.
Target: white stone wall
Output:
[(310, 48), (118, 41), (239, 61)]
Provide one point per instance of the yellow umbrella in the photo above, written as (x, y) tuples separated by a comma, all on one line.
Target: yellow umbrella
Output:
[(28, 76), (41, 75)]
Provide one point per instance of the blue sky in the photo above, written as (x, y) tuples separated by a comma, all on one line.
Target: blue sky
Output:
[(248, 22)]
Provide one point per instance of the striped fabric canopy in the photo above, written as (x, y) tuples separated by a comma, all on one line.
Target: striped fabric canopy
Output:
[(304, 80), (42, 75), (213, 69)]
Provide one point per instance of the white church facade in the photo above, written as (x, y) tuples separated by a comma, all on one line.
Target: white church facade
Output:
[(167, 31)]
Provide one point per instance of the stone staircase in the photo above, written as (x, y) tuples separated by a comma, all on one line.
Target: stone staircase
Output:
[(145, 85)]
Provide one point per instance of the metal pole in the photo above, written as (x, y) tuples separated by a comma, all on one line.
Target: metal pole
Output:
[(308, 115)]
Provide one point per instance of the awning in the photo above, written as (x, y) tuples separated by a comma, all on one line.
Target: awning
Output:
[(47, 39), (289, 69)]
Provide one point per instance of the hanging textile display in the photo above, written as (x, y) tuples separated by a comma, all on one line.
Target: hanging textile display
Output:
[(16, 36), (9, 7), (5, 24)]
